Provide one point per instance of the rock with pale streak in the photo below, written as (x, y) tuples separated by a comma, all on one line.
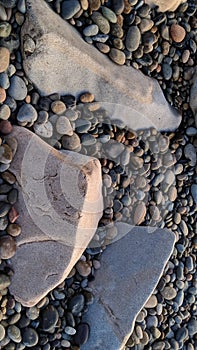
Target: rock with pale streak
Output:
[(70, 65), (165, 5), (131, 269), (59, 205)]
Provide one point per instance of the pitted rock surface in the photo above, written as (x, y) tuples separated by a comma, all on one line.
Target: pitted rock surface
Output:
[(131, 269), (63, 62), (59, 205)]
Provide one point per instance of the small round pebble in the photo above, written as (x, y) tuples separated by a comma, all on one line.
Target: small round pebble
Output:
[(14, 230), (177, 33), (4, 112), (87, 97), (7, 247), (58, 107), (29, 337), (169, 293), (5, 29), (44, 130), (14, 333), (76, 304), (49, 317), (17, 89), (27, 114), (91, 30), (63, 126), (4, 281), (2, 95), (101, 22), (5, 127), (109, 14), (133, 38), (117, 56), (5, 154), (70, 8), (2, 332), (83, 268), (71, 143)]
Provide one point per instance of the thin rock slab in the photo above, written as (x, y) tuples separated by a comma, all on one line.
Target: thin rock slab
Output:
[(63, 62), (59, 205), (193, 95), (165, 5), (131, 268)]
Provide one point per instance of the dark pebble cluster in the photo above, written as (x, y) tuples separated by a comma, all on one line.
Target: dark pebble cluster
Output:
[(149, 178)]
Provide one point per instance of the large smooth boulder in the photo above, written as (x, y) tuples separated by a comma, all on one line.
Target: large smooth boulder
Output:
[(59, 205), (165, 5), (57, 59), (131, 268)]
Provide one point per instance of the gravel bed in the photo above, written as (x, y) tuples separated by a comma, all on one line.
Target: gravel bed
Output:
[(149, 178)]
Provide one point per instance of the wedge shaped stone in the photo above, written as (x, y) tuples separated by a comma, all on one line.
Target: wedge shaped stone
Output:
[(131, 268), (165, 5), (61, 61), (59, 205)]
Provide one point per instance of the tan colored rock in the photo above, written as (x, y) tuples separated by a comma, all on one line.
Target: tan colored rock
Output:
[(165, 5), (63, 62), (60, 204), (193, 96), (130, 270), (4, 59)]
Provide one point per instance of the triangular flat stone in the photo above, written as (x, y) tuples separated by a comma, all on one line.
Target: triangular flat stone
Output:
[(59, 205), (62, 62), (131, 268)]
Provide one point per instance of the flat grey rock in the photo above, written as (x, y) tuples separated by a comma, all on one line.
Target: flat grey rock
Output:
[(61, 61), (165, 5), (59, 205), (131, 268)]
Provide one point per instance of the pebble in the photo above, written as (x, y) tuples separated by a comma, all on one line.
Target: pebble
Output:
[(101, 22), (94, 5), (17, 89), (113, 150), (4, 112), (29, 337), (14, 230), (2, 95), (181, 334), (14, 333), (169, 293), (70, 8), (58, 107), (71, 143), (118, 6), (91, 30), (49, 318), (133, 38), (83, 268), (192, 327), (63, 126), (27, 114), (76, 304), (71, 114), (4, 281), (139, 213), (44, 130), (82, 334), (145, 25), (87, 97), (5, 29), (109, 14), (4, 59), (2, 332), (82, 125), (32, 313), (177, 33), (117, 56), (194, 192), (70, 330), (3, 14), (5, 154), (152, 302), (4, 81), (167, 71), (190, 153)]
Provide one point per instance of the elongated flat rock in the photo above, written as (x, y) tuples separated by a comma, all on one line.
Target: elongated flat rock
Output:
[(193, 95), (60, 204), (165, 5), (59, 60), (131, 268)]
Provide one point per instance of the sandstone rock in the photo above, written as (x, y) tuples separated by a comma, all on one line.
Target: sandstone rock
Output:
[(60, 204), (193, 96), (165, 5), (70, 65), (131, 268)]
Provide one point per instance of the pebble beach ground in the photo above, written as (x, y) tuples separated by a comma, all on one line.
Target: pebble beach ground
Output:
[(155, 186)]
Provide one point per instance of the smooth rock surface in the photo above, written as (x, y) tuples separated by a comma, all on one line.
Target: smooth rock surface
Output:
[(59, 206), (131, 268), (165, 5), (122, 90)]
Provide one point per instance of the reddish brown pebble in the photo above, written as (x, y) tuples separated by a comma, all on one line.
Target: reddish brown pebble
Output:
[(7, 247), (87, 98), (4, 59), (177, 33), (2, 95), (13, 215), (5, 127)]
